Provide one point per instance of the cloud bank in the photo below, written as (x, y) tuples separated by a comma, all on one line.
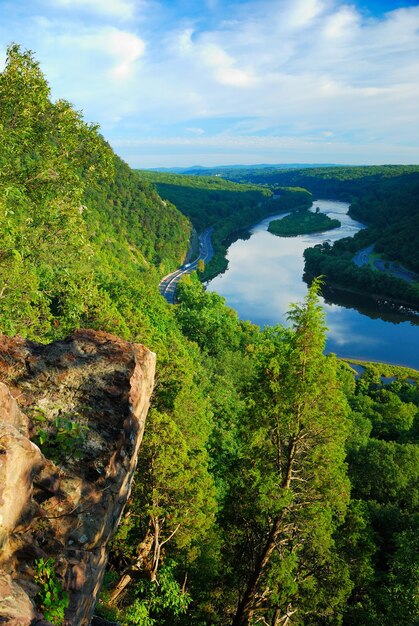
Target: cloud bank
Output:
[(305, 80)]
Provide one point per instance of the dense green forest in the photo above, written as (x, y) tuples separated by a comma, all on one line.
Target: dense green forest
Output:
[(327, 181), (336, 264), (385, 198), (207, 200), (229, 208), (273, 486), (302, 222)]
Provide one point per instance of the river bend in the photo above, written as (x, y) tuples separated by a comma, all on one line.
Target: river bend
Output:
[(264, 277)]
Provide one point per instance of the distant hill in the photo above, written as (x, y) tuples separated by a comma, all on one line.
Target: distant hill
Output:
[(199, 170)]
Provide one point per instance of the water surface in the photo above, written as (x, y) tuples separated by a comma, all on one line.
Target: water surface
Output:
[(264, 277)]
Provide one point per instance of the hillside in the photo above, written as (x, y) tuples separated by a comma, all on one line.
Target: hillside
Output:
[(270, 480), (227, 207)]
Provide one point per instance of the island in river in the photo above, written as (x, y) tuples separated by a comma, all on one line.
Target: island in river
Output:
[(302, 223)]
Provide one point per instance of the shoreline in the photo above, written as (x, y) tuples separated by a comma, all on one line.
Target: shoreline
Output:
[(381, 301)]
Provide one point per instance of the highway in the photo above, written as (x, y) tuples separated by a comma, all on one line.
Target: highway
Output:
[(362, 257), (168, 284)]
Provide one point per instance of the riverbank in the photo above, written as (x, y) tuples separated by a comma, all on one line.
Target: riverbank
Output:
[(337, 263), (368, 256), (384, 370), (388, 308), (225, 232), (265, 276)]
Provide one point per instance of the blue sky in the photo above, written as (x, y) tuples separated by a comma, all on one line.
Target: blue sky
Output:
[(213, 82)]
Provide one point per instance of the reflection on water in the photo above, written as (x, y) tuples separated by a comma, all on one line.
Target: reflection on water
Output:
[(367, 305), (265, 275)]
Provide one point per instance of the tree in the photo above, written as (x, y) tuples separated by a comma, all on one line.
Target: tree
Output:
[(48, 156), (172, 500), (297, 480), (204, 318)]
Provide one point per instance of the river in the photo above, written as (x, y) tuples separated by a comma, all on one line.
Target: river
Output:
[(264, 277)]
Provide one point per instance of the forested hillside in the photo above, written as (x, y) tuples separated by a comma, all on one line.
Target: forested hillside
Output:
[(272, 487), (228, 208), (335, 182), (208, 200)]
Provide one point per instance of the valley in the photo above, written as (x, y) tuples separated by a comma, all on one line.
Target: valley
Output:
[(210, 462)]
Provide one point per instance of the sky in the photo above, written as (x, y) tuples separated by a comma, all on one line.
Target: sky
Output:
[(213, 82)]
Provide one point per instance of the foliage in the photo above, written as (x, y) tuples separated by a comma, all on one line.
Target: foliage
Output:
[(206, 200), (48, 156), (342, 182), (295, 455), (127, 218), (51, 599), (301, 223), (63, 439), (229, 208), (336, 264), (382, 525), (154, 603)]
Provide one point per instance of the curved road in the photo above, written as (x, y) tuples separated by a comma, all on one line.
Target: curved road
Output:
[(168, 284), (362, 257)]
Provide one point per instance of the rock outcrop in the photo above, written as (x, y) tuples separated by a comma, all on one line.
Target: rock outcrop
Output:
[(84, 401)]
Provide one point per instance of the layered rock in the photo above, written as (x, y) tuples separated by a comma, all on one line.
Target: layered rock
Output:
[(84, 400)]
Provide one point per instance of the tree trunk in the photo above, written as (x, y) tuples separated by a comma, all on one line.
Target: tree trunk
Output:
[(246, 607), (144, 550), (248, 603), (122, 583)]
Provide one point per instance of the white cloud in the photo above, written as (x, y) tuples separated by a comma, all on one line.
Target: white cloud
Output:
[(96, 67), (223, 66), (195, 130), (184, 43), (303, 12), (303, 75), (127, 48), (121, 9), (106, 51), (283, 143), (342, 23)]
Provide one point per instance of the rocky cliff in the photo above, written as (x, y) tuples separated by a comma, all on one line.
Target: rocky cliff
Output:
[(84, 401)]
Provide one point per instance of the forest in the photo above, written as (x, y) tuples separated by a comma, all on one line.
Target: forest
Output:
[(229, 208), (275, 485)]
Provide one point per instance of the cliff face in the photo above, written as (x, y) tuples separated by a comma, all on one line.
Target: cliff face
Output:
[(85, 399)]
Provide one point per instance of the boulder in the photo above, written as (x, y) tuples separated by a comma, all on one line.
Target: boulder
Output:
[(72, 416), (16, 609)]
